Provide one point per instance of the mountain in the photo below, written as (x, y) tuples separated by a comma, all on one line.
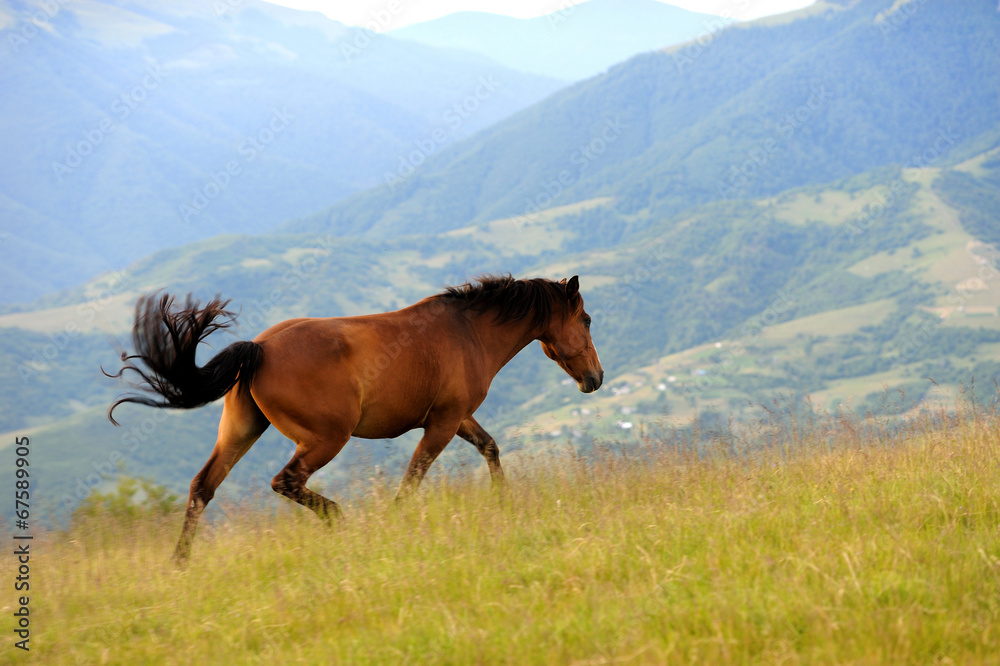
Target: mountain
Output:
[(763, 107), (134, 126), (575, 41), (852, 290)]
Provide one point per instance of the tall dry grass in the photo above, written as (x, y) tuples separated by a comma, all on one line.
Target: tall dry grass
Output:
[(803, 539)]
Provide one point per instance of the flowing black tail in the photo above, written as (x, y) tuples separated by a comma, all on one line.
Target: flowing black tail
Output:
[(166, 339)]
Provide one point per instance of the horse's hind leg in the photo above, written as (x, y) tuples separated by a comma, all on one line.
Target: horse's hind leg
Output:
[(472, 432), (311, 455), (242, 423)]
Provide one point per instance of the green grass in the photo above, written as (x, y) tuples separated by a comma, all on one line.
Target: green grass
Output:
[(845, 543)]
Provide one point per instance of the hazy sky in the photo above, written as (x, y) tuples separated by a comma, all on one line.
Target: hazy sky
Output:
[(364, 12)]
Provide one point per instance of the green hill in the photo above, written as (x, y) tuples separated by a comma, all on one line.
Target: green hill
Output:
[(757, 110), (813, 291)]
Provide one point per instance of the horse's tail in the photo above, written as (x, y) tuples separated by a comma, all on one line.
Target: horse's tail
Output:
[(165, 340)]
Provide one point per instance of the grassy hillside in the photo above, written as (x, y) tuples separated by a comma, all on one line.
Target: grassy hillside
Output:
[(840, 542)]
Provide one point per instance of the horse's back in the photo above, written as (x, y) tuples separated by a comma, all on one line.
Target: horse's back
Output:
[(375, 371)]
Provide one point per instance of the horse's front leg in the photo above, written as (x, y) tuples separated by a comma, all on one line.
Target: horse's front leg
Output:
[(475, 434), (435, 438)]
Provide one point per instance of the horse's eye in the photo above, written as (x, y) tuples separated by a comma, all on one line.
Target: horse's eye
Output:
[(586, 322)]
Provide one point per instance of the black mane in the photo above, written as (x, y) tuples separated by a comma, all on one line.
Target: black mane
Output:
[(509, 299)]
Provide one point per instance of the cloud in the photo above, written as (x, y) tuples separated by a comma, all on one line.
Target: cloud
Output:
[(361, 12)]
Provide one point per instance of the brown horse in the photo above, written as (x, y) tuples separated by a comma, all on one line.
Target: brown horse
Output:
[(320, 381)]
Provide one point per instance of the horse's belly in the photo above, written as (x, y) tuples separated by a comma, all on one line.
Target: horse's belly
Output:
[(386, 423)]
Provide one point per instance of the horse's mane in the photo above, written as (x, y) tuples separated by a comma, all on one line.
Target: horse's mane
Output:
[(509, 299)]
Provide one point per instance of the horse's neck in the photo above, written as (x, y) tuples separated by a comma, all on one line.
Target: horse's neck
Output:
[(502, 342)]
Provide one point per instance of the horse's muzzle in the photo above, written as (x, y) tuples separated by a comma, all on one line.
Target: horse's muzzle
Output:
[(592, 382)]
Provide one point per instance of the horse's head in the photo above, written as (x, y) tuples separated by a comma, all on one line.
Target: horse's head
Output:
[(567, 340)]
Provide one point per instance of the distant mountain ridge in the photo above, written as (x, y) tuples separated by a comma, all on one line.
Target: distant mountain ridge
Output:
[(137, 125), (757, 109), (573, 42)]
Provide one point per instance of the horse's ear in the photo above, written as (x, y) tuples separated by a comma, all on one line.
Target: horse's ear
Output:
[(573, 286), (563, 281)]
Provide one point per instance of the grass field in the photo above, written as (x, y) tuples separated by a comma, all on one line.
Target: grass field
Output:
[(840, 541)]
